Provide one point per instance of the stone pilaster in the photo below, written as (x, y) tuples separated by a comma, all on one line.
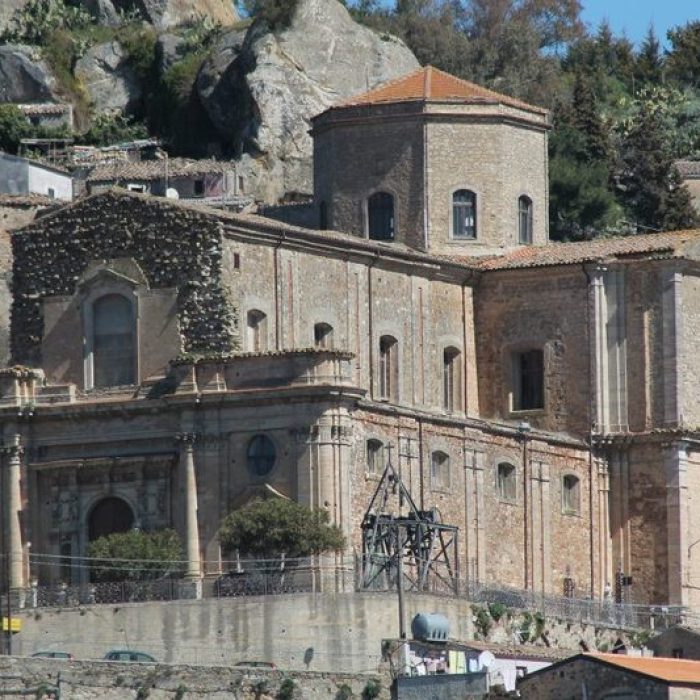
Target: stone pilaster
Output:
[(188, 481), (13, 512), (675, 462)]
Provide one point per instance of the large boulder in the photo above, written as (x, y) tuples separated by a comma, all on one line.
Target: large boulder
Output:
[(7, 11), (218, 84), (164, 14), (104, 11), (279, 79), (108, 77), (24, 77)]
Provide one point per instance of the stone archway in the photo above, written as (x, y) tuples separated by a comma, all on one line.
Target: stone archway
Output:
[(108, 516)]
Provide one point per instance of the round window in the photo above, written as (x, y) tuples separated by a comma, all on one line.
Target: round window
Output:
[(261, 455)]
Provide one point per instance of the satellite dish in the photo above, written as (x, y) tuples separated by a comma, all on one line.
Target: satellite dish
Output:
[(486, 659), (172, 193)]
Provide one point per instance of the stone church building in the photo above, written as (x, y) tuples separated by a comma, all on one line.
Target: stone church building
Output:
[(171, 362)]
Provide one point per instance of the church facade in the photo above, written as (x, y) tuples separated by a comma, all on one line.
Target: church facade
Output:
[(171, 362)]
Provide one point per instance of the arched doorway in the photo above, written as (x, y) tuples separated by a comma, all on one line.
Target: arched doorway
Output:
[(109, 515)]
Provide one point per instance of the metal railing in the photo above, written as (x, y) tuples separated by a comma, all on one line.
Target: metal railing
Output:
[(331, 574)]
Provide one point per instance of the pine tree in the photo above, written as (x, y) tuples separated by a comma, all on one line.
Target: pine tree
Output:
[(649, 183), (586, 119), (648, 66)]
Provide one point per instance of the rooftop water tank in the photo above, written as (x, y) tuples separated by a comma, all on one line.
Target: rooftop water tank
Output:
[(430, 627)]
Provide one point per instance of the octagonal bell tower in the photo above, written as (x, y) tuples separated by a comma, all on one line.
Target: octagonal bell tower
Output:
[(434, 163)]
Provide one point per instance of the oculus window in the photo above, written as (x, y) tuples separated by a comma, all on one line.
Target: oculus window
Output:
[(261, 455), (464, 214), (113, 342), (528, 380), (380, 216)]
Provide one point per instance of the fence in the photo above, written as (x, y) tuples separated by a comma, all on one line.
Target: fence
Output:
[(331, 574)]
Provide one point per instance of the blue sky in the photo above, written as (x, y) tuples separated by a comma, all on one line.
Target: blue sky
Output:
[(634, 16)]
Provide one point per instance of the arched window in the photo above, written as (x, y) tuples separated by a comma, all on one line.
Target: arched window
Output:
[(256, 322), (113, 346), (323, 336), (505, 482), (451, 377), (380, 216), (440, 470), (375, 457), (571, 494), (323, 216), (388, 368), (525, 220), (261, 455), (464, 214)]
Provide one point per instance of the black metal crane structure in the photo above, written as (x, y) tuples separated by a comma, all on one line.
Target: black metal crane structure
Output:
[(409, 544)]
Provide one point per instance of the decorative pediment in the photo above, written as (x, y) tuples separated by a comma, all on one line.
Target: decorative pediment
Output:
[(120, 271)]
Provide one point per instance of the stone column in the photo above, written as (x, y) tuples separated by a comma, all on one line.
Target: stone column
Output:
[(188, 481), (13, 506)]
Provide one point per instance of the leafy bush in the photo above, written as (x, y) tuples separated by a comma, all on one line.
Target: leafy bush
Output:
[(497, 611), (344, 692), (287, 688), (33, 23), (482, 620), (136, 556), (108, 128), (13, 127), (277, 526), (372, 689), (276, 13)]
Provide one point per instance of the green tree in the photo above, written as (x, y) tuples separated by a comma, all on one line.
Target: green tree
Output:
[(683, 58), (13, 127), (581, 201), (649, 184), (136, 556), (276, 526), (276, 13), (648, 66)]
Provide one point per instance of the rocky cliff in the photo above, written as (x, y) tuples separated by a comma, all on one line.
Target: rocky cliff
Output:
[(263, 88), (252, 90)]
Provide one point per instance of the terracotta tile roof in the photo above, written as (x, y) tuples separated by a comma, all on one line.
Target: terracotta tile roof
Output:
[(521, 651), (155, 169), (673, 244), (682, 671), (432, 85)]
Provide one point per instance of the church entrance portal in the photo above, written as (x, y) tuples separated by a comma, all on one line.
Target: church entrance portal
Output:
[(110, 515)]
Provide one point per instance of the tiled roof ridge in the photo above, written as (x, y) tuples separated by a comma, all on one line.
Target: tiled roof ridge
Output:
[(471, 91)]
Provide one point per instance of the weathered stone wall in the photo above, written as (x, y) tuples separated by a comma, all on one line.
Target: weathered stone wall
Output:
[(81, 680), (352, 161), (690, 349), (526, 542), (569, 680), (516, 312), (174, 246), (499, 163), (299, 632)]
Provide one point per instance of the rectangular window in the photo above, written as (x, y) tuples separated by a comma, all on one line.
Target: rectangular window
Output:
[(528, 380), (199, 188)]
